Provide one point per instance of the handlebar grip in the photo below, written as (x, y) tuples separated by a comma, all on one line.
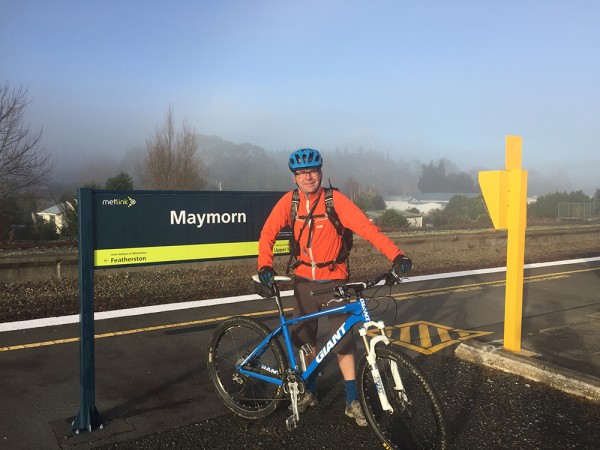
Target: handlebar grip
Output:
[(276, 278)]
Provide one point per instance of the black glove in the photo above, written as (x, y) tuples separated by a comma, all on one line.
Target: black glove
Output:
[(266, 274), (402, 264)]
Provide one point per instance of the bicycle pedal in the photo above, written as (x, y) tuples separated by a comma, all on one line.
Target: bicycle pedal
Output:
[(291, 423)]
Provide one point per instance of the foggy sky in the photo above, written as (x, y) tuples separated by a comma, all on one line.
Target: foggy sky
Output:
[(425, 80)]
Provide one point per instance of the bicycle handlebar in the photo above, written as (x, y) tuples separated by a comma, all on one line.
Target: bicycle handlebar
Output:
[(342, 291)]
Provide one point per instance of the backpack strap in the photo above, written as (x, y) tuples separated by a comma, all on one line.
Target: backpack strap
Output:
[(294, 208), (333, 218), (344, 254), (295, 243), (331, 212)]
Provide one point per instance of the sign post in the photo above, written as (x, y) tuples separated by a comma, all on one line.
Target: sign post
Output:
[(137, 228), (505, 195), (87, 419)]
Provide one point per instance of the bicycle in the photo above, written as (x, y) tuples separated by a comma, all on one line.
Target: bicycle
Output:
[(253, 373)]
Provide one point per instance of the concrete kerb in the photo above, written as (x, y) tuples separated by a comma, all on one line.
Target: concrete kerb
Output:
[(494, 356)]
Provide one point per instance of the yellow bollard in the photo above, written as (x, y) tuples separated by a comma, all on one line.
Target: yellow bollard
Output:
[(505, 195)]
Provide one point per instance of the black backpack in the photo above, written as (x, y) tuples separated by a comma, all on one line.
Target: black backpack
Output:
[(345, 233)]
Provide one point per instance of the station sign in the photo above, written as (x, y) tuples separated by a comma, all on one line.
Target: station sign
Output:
[(134, 228)]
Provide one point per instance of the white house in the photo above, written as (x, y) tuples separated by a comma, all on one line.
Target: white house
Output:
[(56, 215), (399, 203), (424, 203)]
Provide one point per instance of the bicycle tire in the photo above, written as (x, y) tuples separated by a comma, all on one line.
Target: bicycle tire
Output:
[(231, 342), (418, 421)]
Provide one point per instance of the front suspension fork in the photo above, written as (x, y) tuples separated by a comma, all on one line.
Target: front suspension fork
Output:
[(372, 360)]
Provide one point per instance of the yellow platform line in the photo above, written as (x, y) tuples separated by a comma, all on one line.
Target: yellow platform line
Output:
[(133, 331), (457, 288)]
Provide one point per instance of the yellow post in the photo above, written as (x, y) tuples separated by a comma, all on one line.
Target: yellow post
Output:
[(515, 252), (505, 194)]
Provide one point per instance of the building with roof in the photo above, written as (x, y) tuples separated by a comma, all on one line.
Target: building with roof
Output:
[(56, 214), (424, 203)]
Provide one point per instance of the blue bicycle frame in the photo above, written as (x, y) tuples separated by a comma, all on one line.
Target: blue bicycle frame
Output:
[(357, 313)]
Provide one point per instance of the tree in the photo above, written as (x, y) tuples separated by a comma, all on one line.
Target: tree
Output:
[(461, 211), (122, 181), (434, 179), (392, 219), (92, 185), (171, 160), (370, 201), (546, 206), (351, 188), (23, 160)]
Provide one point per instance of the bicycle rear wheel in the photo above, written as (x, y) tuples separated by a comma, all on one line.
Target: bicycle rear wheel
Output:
[(417, 421), (230, 344)]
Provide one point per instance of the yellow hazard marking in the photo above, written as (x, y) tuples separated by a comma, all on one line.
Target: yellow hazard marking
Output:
[(426, 337)]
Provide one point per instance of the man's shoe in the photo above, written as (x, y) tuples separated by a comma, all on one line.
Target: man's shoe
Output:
[(305, 401), (355, 411)]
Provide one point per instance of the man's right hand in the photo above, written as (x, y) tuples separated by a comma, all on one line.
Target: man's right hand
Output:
[(402, 264), (266, 274)]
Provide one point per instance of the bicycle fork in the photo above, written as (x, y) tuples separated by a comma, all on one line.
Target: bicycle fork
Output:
[(372, 360)]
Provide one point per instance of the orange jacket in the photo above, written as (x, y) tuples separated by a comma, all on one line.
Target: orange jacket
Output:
[(326, 243)]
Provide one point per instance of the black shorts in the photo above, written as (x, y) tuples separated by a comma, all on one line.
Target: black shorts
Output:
[(306, 303)]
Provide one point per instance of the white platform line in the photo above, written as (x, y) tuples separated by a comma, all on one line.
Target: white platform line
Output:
[(65, 320)]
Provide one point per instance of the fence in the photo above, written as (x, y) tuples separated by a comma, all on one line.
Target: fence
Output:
[(575, 211)]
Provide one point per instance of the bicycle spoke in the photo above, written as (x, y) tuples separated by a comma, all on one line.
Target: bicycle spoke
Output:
[(232, 343)]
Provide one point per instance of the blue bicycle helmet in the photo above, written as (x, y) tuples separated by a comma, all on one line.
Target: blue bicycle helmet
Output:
[(305, 158)]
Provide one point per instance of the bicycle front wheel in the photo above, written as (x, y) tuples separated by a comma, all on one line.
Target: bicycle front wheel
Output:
[(417, 420), (230, 344)]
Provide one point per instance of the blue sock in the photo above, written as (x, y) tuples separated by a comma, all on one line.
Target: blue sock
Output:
[(351, 393)]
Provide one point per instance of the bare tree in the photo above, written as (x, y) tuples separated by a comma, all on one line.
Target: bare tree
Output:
[(171, 160), (23, 160)]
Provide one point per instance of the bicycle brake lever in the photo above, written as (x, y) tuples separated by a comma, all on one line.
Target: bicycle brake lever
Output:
[(393, 279), (339, 292)]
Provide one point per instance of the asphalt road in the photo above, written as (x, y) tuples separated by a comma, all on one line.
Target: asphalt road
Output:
[(152, 388)]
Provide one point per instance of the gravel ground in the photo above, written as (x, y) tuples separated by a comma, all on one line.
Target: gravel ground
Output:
[(485, 409), (128, 289)]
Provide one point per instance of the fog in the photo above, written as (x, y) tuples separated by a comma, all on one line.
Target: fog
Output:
[(223, 159)]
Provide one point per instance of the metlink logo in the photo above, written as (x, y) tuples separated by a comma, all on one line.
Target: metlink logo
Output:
[(128, 202)]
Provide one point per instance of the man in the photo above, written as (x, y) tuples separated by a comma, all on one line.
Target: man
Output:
[(319, 248)]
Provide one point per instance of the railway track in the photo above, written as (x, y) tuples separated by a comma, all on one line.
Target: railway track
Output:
[(30, 245)]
